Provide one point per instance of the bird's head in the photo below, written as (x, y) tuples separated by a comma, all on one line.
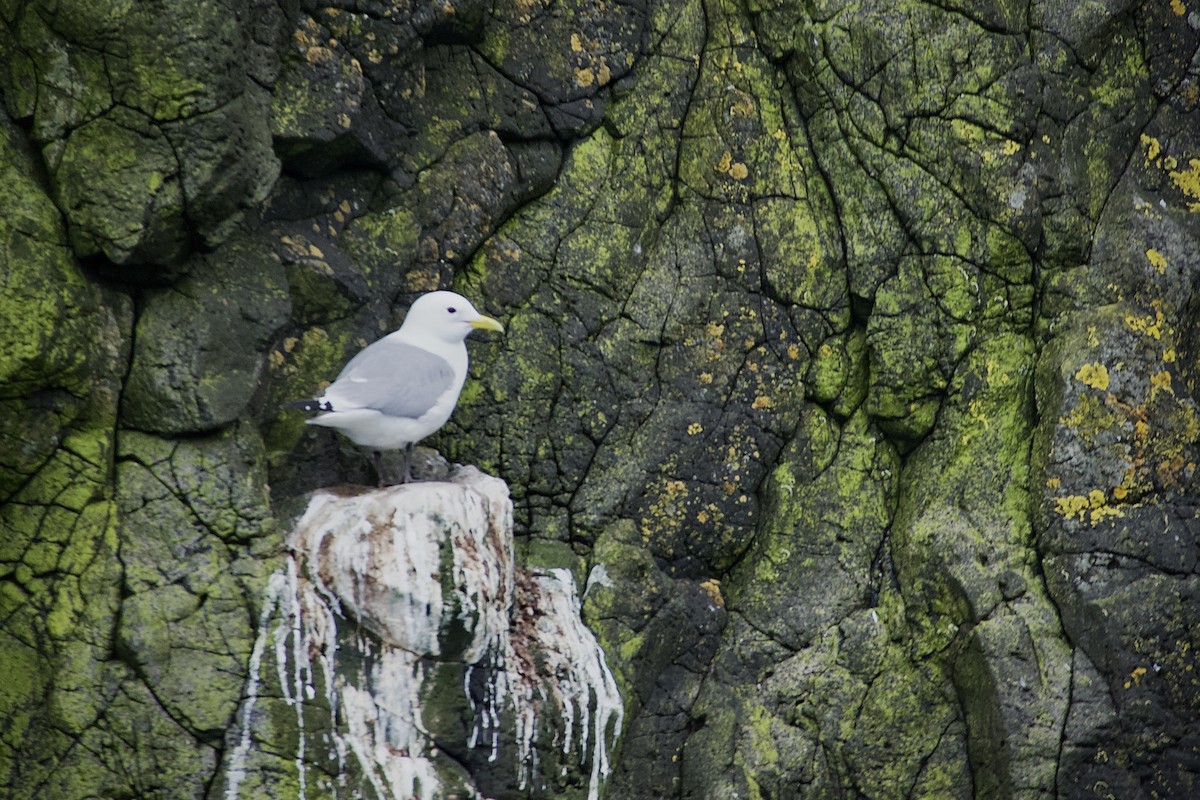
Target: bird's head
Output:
[(447, 316)]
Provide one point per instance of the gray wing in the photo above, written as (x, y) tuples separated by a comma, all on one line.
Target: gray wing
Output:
[(389, 376)]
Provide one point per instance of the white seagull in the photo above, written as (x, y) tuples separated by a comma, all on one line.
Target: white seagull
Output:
[(402, 388)]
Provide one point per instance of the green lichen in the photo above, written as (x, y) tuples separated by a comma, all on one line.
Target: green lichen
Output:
[(617, 607), (317, 99), (988, 414), (829, 504), (537, 553), (922, 324), (233, 302), (115, 216), (197, 541), (51, 308), (962, 534), (382, 241), (60, 359), (837, 376)]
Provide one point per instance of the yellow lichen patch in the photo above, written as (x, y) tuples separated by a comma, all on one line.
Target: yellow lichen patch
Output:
[(666, 512), (584, 77), (1169, 470), (1121, 491), (706, 378), (300, 247), (1168, 355), (1071, 506), (1091, 508), (761, 402), (1150, 324), (1053, 483), (712, 587), (1153, 148), (723, 164), (1178, 8), (1135, 677), (1094, 375), (695, 428), (714, 329), (1160, 381), (739, 171), (1188, 182), (1154, 154), (1010, 147), (1157, 260), (576, 43)]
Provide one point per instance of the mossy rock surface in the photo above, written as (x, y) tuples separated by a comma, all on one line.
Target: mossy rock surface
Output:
[(851, 366)]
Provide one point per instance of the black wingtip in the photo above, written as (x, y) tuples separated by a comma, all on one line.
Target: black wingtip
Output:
[(309, 406)]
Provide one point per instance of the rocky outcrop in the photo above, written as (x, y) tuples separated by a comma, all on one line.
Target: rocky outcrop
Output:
[(851, 370), (401, 652)]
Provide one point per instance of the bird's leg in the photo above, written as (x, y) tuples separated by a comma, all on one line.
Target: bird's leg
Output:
[(408, 455), (377, 460)]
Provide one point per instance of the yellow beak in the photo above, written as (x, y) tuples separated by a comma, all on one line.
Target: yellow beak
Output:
[(487, 323)]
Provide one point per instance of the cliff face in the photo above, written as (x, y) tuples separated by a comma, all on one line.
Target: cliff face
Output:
[(851, 369)]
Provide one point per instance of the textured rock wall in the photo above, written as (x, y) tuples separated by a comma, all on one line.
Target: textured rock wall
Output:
[(854, 344)]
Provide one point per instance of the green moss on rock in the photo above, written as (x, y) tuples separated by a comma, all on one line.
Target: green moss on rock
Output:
[(963, 554), (232, 303), (829, 504)]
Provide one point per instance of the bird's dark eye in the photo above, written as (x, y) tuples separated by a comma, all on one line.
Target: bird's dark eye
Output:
[(452, 310)]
